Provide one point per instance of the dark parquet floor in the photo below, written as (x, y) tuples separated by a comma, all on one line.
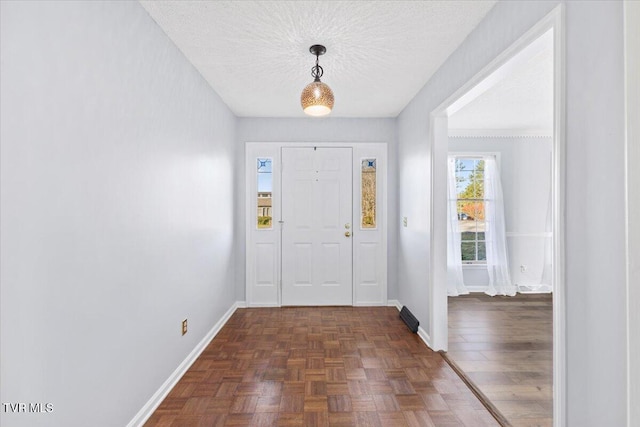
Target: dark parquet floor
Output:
[(319, 366)]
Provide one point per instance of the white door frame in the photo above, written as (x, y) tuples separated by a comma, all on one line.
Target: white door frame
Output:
[(263, 275), (438, 333)]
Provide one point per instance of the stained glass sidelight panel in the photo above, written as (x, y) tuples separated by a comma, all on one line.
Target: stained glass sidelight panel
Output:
[(368, 193)]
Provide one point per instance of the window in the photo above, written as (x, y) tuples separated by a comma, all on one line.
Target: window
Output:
[(368, 193), (471, 209), (265, 184)]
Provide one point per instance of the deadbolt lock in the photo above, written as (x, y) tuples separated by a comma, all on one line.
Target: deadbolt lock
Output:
[(347, 226)]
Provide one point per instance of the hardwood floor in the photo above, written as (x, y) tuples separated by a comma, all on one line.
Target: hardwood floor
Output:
[(504, 346), (319, 366)]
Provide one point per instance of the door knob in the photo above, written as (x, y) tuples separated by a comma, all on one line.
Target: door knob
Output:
[(347, 234)]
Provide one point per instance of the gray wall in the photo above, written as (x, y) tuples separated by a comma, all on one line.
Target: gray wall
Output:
[(316, 130), (632, 66), (116, 207), (525, 174), (595, 234)]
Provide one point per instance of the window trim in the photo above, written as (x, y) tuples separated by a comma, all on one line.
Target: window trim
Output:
[(474, 155)]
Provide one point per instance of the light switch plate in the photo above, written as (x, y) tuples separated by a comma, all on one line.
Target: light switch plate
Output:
[(404, 221)]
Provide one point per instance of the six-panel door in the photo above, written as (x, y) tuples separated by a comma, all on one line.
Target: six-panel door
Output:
[(317, 208)]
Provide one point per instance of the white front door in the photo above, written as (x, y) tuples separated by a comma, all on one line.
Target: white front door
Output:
[(317, 208)]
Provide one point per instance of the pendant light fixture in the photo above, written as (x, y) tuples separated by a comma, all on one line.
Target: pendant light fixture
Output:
[(317, 97)]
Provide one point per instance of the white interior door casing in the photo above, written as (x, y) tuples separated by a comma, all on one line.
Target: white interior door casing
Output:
[(263, 268), (316, 226)]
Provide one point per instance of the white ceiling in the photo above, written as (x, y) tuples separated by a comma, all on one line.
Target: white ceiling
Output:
[(518, 100), (256, 56)]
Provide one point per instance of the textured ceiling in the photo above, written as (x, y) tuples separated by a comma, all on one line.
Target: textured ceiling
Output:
[(520, 100), (256, 56)]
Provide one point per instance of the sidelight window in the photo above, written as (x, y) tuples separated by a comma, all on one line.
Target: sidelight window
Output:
[(265, 190), (368, 193)]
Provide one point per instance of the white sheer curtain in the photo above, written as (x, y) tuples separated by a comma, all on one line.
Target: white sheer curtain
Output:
[(495, 234), (455, 281)]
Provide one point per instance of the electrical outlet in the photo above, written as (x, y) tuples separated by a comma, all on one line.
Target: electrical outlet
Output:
[(523, 268), (184, 326), (404, 221)]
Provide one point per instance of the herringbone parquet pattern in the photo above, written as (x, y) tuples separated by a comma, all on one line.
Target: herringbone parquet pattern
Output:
[(319, 366)]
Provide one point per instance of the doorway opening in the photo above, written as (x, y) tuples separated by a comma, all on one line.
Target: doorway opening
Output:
[(528, 257)]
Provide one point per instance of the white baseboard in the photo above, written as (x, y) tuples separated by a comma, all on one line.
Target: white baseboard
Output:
[(147, 410), (521, 289), (394, 303), (424, 336), (369, 304), (261, 305)]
